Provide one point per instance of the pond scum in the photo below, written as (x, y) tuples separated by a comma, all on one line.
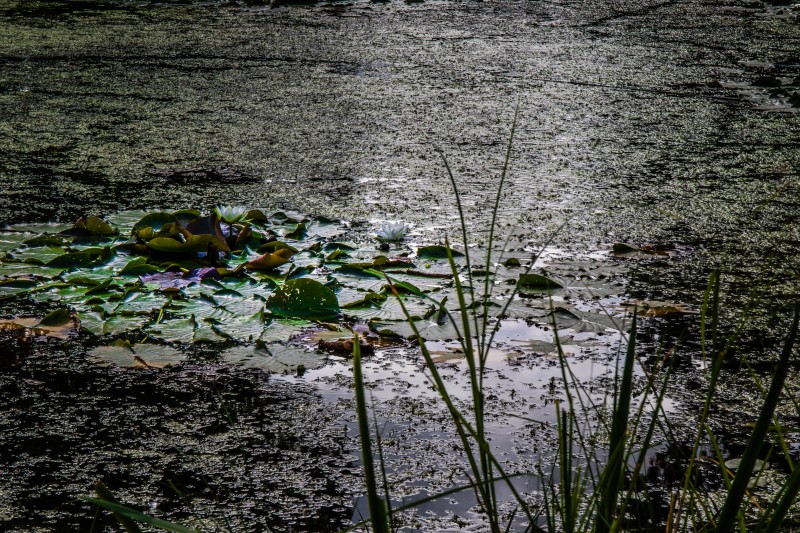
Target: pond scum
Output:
[(252, 280)]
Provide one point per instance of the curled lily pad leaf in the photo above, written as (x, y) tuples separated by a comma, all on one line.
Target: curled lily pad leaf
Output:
[(194, 244), (138, 266), (256, 215), (298, 233), (270, 261), (276, 358), (123, 354), (155, 221), (365, 298), (304, 298), (95, 226), (333, 246), (185, 216), (274, 246)]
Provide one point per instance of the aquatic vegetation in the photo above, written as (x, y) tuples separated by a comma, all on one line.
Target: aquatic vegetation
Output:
[(177, 278), (392, 231), (598, 481), (230, 214)]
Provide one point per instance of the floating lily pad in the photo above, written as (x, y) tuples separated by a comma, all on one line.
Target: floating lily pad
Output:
[(35, 255), (278, 358), (436, 252), (97, 324), (186, 331), (156, 221), (95, 226), (430, 330), (123, 354), (390, 309), (138, 266), (11, 287), (537, 282), (581, 321), (304, 298), (194, 244), (733, 464)]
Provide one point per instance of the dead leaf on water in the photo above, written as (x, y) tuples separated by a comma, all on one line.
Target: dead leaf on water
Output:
[(60, 324), (656, 309)]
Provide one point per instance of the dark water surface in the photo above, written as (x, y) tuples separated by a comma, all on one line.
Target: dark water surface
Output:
[(673, 123)]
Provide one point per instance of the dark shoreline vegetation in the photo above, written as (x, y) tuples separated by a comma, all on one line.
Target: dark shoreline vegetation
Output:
[(200, 364)]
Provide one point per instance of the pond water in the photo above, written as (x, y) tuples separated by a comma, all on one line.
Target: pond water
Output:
[(666, 124)]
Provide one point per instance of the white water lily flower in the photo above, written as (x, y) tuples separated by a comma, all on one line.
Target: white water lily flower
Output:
[(392, 231), (231, 214)]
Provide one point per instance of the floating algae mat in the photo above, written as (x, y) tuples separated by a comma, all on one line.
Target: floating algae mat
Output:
[(247, 278)]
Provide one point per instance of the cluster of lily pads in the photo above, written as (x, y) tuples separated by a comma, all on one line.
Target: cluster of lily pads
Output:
[(239, 276), (181, 277)]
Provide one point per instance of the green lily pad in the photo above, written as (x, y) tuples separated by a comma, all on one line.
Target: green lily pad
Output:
[(126, 355), (298, 233), (537, 282), (194, 244), (185, 330), (97, 324), (430, 330), (93, 256), (95, 226), (59, 317), (156, 221), (14, 270), (436, 252), (390, 309), (277, 358), (274, 246), (304, 298), (36, 255), (138, 266), (10, 287), (45, 240)]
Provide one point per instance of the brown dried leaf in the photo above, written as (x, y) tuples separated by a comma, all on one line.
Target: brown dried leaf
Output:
[(656, 309), (268, 261), (35, 327)]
